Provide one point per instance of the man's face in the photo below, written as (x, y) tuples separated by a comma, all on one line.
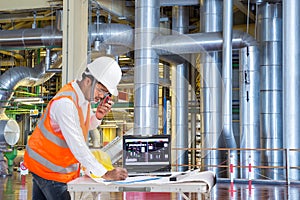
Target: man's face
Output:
[(100, 92)]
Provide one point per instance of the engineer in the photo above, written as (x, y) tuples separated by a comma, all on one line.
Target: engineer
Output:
[(57, 148)]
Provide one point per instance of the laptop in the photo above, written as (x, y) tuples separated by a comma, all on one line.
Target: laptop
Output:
[(147, 155)]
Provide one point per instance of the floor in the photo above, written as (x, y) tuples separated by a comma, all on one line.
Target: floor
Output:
[(18, 187)]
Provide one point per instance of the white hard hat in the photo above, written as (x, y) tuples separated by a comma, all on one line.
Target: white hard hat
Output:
[(107, 71)]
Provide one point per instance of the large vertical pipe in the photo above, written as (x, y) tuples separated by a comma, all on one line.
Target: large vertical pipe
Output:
[(146, 68), (227, 131), (210, 88), (291, 82), (180, 23), (270, 39), (249, 80)]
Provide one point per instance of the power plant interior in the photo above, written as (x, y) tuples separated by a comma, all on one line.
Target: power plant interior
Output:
[(221, 77)]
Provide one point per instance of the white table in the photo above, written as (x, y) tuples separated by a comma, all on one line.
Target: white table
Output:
[(85, 184)]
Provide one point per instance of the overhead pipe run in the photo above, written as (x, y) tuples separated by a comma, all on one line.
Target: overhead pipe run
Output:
[(110, 34), (199, 42)]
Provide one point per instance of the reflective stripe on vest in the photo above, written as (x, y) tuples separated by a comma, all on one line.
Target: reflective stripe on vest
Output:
[(47, 134), (50, 165), (54, 139)]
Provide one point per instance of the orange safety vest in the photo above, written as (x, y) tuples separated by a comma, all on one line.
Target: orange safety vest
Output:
[(47, 153)]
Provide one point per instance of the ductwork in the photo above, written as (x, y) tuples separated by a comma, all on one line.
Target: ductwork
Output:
[(26, 38), (110, 34), (24, 76)]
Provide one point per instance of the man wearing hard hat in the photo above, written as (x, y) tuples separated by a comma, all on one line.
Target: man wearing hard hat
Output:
[(57, 147)]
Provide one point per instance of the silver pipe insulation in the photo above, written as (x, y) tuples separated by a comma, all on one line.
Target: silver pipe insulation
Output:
[(146, 72), (199, 42), (110, 34), (227, 131), (180, 23), (249, 81), (210, 86), (26, 38), (23, 76), (270, 39), (291, 82)]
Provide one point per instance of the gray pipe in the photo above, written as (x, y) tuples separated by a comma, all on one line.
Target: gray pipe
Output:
[(146, 68), (199, 42), (227, 131), (270, 39), (25, 38), (110, 34), (291, 82), (249, 81), (180, 26), (210, 85)]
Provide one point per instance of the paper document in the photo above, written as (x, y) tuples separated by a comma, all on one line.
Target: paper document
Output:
[(131, 180)]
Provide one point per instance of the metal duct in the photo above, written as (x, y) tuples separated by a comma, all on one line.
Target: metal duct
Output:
[(24, 76), (26, 38), (210, 86), (270, 39), (227, 131), (199, 42), (249, 81), (291, 82), (146, 68), (110, 34), (180, 23)]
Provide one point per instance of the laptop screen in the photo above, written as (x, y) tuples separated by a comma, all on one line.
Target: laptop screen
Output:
[(143, 154)]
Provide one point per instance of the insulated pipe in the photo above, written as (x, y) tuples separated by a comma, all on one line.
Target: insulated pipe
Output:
[(270, 39), (110, 34), (291, 82), (210, 87), (227, 131), (199, 42), (146, 68), (25, 38), (180, 23), (249, 81)]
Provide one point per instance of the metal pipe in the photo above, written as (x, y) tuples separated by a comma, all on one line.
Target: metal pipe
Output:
[(227, 131), (180, 26), (146, 68), (199, 42), (291, 82), (249, 81), (210, 84), (110, 34), (270, 39)]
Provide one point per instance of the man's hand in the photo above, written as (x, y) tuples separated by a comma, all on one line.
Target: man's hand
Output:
[(103, 108), (116, 174)]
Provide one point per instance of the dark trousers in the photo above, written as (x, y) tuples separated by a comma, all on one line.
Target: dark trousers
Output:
[(43, 189)]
